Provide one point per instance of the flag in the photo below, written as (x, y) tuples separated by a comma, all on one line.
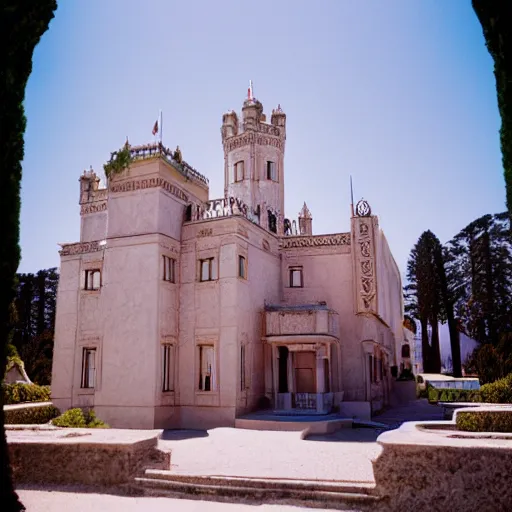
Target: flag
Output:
[(155, 128)]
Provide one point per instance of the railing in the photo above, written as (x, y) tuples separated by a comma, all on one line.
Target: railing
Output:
[(225, 207), (151, 150)]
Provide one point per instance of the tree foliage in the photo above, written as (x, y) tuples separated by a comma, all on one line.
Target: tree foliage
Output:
[(22, 23), (33, 329), (495, 16)]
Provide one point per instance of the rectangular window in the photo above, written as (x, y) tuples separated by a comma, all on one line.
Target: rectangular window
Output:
[(242, 269), (88, 368), (296, 280), (242, 367), (370, 365), (239, 171), (169, 269), (271, 171), (168, 367), (91, 279), (206, 368), (207, 269)]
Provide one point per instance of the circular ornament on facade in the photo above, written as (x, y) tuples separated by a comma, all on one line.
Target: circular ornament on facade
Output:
[(363, 209)]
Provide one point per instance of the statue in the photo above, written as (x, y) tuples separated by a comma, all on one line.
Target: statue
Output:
[(177, 155)]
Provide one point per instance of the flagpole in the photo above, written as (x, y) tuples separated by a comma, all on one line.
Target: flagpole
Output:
[(351, 197), (161, 127)]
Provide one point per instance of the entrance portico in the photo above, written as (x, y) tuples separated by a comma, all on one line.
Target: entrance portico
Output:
[(302, 358)]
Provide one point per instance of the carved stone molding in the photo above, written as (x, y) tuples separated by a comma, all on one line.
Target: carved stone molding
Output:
[(81, 248), (204, 232), (247, 138), (265, 245), (366, 270), (268, 128), (169, 248), (97, 207), (315, 241), (141, 184)]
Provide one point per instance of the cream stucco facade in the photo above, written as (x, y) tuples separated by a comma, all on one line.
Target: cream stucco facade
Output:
[(175, 310)]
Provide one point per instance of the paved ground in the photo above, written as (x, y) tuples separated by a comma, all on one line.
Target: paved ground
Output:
[(47, 501), (345, 455)]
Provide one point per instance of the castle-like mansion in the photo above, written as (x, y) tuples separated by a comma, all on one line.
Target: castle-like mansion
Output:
[(176, 310)]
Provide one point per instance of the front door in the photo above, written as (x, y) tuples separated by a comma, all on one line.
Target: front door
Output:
[(305, 372)]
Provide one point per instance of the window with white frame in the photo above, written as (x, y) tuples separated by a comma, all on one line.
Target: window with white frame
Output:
[(242, 267), (88, 368), (169, 271), (206, 368), (168, 367), (91, 279), (296, 277), (207, 269), (271, 171), (239, 171)]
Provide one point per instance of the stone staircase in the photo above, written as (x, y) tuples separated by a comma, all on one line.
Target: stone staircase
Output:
[(315, 493)]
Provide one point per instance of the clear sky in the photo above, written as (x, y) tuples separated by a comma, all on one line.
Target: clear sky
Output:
[(400, 94)]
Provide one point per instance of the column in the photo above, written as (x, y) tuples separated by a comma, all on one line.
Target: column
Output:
[(320, 380), (275, 372)]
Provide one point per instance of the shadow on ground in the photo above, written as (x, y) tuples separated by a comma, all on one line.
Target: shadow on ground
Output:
[(181, 435), (349, 435)]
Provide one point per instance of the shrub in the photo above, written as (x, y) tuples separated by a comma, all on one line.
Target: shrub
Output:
[(77, 418), (453, 395), (498, 392), (31, 415), (18, 393), (484, 421)]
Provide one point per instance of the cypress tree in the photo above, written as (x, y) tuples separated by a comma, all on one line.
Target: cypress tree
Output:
[(22, 23)]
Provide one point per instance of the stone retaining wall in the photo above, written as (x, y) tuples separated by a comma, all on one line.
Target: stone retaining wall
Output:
[(74, 456), (439, 470)]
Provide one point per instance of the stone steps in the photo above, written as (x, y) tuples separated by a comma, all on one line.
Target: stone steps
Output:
[(316, 493)]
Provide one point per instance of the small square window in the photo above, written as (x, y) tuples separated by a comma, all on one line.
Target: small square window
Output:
[(91, 279), (207, 269), (271, 171), (242, 269), (168, 367), (88, 368), (239, 171), (169, 272), (296, 278)]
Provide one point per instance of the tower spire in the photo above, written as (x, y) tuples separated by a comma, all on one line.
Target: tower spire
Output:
[(249, 91)]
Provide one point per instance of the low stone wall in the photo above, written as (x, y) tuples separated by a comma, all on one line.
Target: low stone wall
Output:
[(430, 466), (83, 456)]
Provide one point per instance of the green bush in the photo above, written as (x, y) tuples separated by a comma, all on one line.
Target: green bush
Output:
[(484, 421), (31, 415), (78, 418), (498, 392), (453, 395), (19, 393)]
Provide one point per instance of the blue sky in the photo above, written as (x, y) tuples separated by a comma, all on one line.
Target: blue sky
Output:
[(400, 94)]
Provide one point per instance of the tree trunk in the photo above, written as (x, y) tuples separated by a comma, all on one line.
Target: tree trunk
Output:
[(425, 346), (436, 352)]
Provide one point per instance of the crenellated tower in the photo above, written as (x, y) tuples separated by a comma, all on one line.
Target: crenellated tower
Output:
[(254, 161)]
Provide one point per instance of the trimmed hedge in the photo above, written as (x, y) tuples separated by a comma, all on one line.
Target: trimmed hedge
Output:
[(30, 415), (19, 393), (453, 395), (484, 421), (77, 418)]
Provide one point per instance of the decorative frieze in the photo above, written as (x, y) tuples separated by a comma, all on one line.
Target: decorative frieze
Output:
[(95, 207), (81, 248), (367, 288), (204, 233), (141, 184), (269, 129), (252, 138), (169, 248), (315, 241)]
